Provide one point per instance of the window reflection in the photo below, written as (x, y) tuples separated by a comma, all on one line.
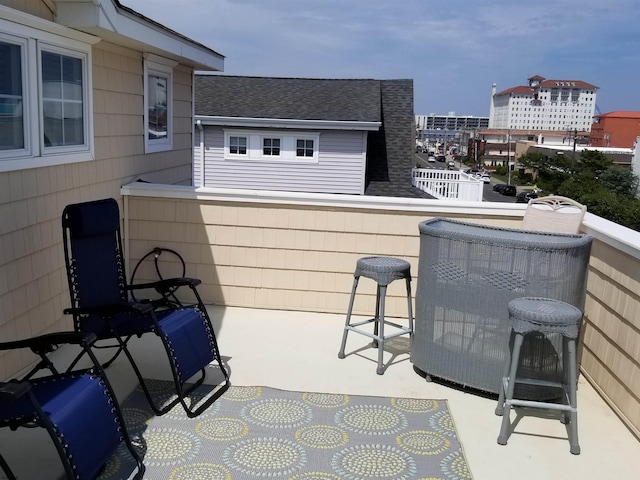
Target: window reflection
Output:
[(62, 100), (157, 114)]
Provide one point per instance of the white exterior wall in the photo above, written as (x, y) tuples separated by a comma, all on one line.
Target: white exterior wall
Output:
[(340, 167), (500, 112)]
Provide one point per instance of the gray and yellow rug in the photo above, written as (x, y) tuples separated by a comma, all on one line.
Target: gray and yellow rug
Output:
[(260, 432)]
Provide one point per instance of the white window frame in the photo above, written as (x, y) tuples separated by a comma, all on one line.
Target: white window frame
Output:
[(288, 142), (35, 35), (45, 47), (270, 137), (26, 113), (234, 154), (163, 68)]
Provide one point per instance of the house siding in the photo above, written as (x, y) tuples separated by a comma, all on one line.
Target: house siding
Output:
[(339, 168), (32, 7), (33, 284)]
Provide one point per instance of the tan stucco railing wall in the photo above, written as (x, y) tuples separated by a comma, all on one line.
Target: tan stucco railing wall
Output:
[(290, 257), (300, 257), (611, 334)]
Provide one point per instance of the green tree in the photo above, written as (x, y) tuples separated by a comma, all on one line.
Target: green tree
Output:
[(620, 181), (533, 161), (592, 179)]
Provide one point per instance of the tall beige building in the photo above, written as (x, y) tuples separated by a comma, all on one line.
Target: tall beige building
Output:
[(544, 105)]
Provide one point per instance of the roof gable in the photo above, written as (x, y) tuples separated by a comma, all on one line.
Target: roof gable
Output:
[(519, 90), (288, 98), (121, 25)]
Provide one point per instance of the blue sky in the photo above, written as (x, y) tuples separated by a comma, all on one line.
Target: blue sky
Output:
[(454, 50)]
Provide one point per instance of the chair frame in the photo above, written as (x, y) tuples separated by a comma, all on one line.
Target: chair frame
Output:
[(546, 214), (151, 308), (16, 389)]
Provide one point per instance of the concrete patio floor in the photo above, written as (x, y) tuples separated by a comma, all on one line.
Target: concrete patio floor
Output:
[(298, 351)]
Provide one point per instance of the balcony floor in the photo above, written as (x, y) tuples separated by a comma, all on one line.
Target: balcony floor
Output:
[(298, 351)]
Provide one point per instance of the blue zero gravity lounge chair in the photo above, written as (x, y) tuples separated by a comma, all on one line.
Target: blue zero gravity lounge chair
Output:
[(102, 303), (77, 408)]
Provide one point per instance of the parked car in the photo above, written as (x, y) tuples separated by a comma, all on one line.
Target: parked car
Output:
[(431, 159), (504, 189), (484, 176), (451, 165), (524, 197), (509, 190)]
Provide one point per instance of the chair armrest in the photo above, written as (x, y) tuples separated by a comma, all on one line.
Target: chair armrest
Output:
[(50, 342), (167, 284), (112, 309), (14, 390)]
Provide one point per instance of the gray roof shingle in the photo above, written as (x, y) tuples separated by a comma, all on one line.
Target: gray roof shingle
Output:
[(288, 98)]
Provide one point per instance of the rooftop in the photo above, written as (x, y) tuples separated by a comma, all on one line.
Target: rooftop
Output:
[(298, 351)]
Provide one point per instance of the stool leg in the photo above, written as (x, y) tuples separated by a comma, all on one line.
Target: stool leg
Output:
[(572, 380), (382, 293), (505, 376), (376, 317), (348, 320), (515, 357), (409, 307)]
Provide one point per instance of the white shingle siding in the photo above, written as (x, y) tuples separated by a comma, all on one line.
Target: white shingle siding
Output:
[(340, 167)]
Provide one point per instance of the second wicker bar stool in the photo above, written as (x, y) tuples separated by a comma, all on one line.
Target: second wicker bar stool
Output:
[(548, 316), (383, 270)]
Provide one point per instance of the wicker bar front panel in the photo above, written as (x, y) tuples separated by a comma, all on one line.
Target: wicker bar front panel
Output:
[(467, 274)]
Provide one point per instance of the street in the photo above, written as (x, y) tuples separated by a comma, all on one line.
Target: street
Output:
[(488, 194)]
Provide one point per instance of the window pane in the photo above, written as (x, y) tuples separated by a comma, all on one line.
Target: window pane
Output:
[(304, 148), (158, 127), (62, 100), (271, 146), (238, 145), (11, 115), (73, 124), (52, 121)]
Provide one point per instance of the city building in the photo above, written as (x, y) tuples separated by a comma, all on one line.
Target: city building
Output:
[(615, 129), (434, 131), (543, 104), (450, 122)]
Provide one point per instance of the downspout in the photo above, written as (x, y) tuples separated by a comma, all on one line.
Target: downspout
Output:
[(201, 159)]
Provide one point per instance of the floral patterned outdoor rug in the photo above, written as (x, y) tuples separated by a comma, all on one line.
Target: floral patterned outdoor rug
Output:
[(260, 432)]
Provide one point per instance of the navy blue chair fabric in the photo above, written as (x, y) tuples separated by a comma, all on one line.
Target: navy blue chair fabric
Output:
[(102, 303), (72, 406)]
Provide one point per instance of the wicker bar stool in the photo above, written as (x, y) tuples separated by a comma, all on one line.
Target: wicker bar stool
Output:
[(383, 270), (544, 315)]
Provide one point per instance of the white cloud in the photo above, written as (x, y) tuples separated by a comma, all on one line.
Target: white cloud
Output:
[(453, 49)]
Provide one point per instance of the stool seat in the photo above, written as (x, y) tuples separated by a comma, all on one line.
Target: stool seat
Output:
[(546, 316), (383, 270)]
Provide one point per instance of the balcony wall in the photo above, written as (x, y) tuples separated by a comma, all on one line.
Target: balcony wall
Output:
[(297, 252)]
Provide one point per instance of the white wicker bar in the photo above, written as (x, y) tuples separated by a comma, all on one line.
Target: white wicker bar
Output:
[(467, 274)]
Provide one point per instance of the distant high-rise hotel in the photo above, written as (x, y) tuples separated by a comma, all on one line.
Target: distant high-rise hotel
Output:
[(544, 105)]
